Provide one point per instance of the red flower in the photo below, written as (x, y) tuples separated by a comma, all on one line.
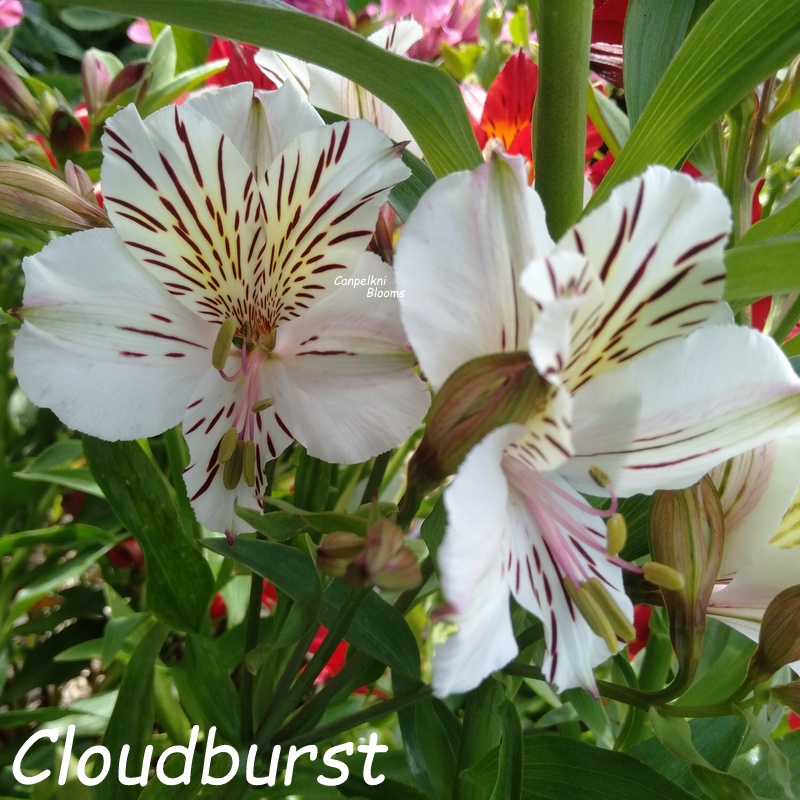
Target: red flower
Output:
[(641, 624), (241, 65), (217, 609), (608, 21), (127, 555), (794, 721)]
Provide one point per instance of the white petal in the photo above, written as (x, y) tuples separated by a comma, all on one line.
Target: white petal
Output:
[(471, 569), (666, 418), (399, 37), (567, 296), (343, 374), (321, 200), (103, 344), (187, 206), (212, 411), (657, 245), (458, 264), (282, 69), (548, 531), (755, 490)]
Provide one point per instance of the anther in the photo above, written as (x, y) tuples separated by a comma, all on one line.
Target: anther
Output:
[(663, 576), (617, 534), (227, 445), (593, 614), (222, 345), (599, 477), (262, 405), (249, 462), (232, 471), (619, 622)]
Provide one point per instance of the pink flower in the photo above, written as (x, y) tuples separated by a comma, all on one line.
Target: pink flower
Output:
[(334, 10), (449, 21), (139, 31), (10, 13)]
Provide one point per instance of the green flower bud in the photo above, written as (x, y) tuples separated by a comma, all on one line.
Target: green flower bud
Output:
[(779, 639), (337, 550), (15, 96), (38, 198), (788, 694), (687, 530), (67, 134)]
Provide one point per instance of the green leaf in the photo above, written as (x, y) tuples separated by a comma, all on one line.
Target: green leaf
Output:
[(509, 776), (734, 46), (163, 56), (131, 722), (184, 82), (312, 482), (179, 580), (117, 631), (654, 32), (433, 530), (753, 766), (768, 267), (211, 687), (87, 19), (787, 220), (377, 628), (191, 47), (68, 537), (63, 464), (558, 767), (424, 97)]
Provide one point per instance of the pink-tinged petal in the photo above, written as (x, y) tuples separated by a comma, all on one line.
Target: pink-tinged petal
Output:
[(567, 298), (321, 201), (664, 419), (139, 31), (11, 13), (342, 372), (553, 536), (215, 407), (657, 246), (458, 265), (187, 206), (471, 569), (103, 344), (755, 489)]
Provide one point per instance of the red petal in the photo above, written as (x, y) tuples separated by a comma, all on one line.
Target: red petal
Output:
[(509, 101)]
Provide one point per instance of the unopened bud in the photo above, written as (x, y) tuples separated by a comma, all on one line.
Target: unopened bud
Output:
[(67, 134), (779, 638), (399, 573), (130, 75), (337, 550), (788, 694), (16, 97), (79, 181), (480, 396), (384, 539), (36, 197), (95, 80), (687, 530)]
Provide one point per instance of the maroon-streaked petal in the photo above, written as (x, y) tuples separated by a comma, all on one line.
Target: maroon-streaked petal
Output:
[(216, 407), (657, 246), (665, 419), (187, 207), (103, 344), (343, 374), (321, 198)]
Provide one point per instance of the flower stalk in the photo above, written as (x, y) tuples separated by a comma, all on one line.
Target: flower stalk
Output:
[(560, 111)]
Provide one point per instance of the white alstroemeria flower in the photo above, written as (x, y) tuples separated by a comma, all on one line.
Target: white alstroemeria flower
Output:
[(331, 92), (618, 317), (761, 555), (236, 220)]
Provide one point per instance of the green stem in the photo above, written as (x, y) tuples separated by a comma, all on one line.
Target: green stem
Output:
[(251, 640), (787, 321), (373, 487), (359, 718), (735, 184), (305, 680), (176, 453), (560, 112)]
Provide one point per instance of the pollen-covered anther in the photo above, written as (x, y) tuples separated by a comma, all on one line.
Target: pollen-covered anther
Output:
[(234, 466), (223, 343), (599, 477), (227, 445), (594, 614), (614, 614), (663, 576), (617, 534), (262, 405), (249, 462)]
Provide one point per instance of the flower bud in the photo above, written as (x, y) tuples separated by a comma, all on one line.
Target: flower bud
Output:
[(788, 694), (79, 181), (779, 638), (36, 197), (16, 97), (384, 561), (95, 80), (687, 530), (337, 550), (67, 134), (130, 75), (478, 397)]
